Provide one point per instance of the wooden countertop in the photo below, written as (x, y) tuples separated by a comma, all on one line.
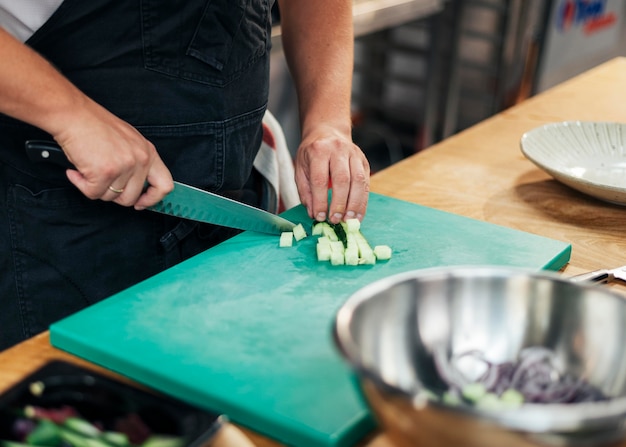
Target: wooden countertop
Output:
[(480, 173)]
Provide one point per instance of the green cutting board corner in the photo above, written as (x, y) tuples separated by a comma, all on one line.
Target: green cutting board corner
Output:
[(245, 327)]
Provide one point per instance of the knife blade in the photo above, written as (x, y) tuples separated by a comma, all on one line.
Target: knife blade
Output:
[(602, 276), (185, 201)]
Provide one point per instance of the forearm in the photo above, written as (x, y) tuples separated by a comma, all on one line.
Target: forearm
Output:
[(32, 90), (318, 41), (113, 160)]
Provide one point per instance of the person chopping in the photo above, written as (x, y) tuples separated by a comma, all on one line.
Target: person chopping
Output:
[(142, 93)]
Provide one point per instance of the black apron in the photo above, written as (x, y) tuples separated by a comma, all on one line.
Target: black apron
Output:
[(192, 76)]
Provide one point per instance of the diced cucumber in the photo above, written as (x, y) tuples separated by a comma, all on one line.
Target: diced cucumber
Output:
[(352, 225), (351, 255), (286, 239), (82, 427), (72, 438), (337, 258), (450, 398), (323, 252), (323, 240), (511, 398), (340, 232), (45, 433), (343, 243), (299, 232), (318, 229), (116, 438), (382, 252), (337, 246), (474, 391), (490, 401), (328, 231)]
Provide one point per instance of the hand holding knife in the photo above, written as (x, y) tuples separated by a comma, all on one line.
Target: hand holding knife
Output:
[(184, 201)]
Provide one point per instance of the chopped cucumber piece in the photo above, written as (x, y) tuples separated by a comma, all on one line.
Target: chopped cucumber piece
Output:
[(72, 438), (45, 433), (299, 232), (337, 246), (318, 229), (81, 426), (352, 225), (512, 398), (328, 231), (382, 252), (490, 401), (344, 244), (286, 239), (323, 240), (450, 398), (340, 232), (116, 438), (474, 391), (323, 252), (367, 258), (351, 255), (337, 258)]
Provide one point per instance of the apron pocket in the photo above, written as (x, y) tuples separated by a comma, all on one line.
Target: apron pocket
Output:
[(229, 37), (215, 155)]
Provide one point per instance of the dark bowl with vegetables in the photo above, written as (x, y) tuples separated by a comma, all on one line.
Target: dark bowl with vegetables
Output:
[(65, 405), (488, 356)]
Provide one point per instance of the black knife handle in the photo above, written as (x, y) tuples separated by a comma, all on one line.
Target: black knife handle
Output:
[(47, 152)]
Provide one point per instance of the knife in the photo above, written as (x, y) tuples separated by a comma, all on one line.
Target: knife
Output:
[(184, 201), (602, 276)]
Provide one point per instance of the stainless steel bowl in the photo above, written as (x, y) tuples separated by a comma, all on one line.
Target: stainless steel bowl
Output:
[(391, 330)]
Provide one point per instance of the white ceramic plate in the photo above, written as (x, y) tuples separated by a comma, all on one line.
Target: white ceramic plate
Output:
[(587, 156)]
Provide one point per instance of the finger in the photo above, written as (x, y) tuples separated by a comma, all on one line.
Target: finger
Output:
[(159, 184), (359, 188), (129, 194), (304, 190), (319, 177), (340, 175), (88, 188)]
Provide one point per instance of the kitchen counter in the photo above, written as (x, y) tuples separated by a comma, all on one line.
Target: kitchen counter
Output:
[(480, 173), (375, 15)]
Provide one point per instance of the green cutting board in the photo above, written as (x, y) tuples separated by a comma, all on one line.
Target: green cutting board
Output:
[(245, 327)]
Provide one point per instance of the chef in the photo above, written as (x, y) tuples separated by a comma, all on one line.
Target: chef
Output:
[(140, 93)]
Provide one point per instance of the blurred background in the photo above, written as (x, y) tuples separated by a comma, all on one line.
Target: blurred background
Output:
[(427, 69)]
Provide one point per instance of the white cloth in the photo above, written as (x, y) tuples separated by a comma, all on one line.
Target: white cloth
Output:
[(274, 162), (22, 18)]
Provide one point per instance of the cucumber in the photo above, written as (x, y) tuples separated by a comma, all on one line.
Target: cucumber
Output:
[(382, 252), (511, 398), (72, 438), (299, 232), (344, 244), (341, 233), (286, 239), (474, 392), (82, 427), (318, 229), (45, 433), (115, 438)]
